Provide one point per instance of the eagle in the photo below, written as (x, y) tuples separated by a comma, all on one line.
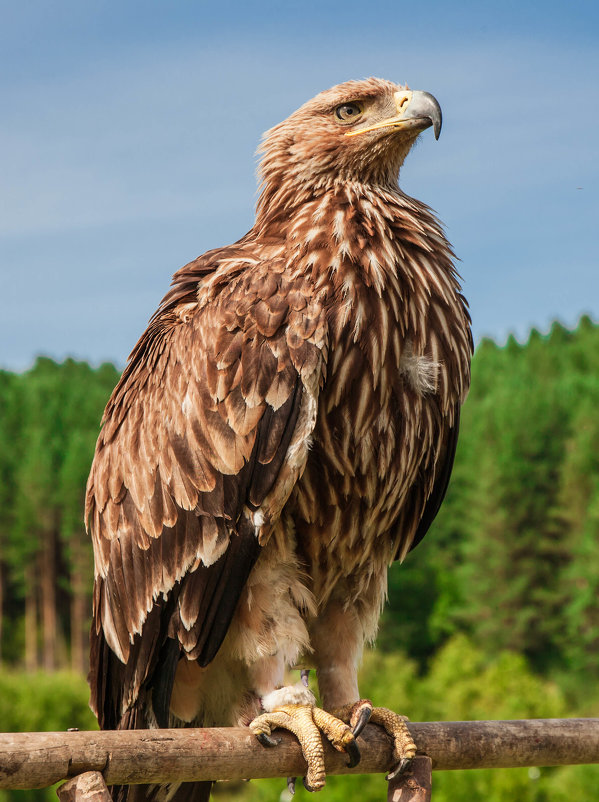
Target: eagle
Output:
[(284, 430)]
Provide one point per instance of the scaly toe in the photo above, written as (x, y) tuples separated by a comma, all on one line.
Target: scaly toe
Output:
[(300, 720), (308, 787), (307, 722), (404, 748), (339, 734)]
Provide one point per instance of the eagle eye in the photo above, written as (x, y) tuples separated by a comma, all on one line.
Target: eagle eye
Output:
[(348, 112)]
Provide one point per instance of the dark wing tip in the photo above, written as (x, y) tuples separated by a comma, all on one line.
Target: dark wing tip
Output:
[(435, 499)]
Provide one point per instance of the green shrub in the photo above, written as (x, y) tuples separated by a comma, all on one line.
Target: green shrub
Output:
[(44, 702)]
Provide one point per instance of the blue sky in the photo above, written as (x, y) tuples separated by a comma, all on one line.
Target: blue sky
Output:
[(128, 132)]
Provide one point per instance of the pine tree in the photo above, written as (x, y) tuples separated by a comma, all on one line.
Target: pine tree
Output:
[(10, 448)]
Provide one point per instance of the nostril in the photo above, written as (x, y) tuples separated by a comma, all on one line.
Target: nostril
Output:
[(404, 101)]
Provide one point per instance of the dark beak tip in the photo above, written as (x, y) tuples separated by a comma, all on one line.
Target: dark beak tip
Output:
[(435, 124), (426, 107)]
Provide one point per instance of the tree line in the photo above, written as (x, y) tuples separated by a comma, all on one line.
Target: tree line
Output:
[(511, 561), (48, 428)]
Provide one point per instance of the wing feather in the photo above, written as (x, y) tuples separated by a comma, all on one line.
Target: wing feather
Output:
[(442, 477), (194, 440), (426, 496)]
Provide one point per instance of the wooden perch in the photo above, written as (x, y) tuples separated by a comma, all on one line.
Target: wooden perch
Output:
[(413, 786), (36, 760)]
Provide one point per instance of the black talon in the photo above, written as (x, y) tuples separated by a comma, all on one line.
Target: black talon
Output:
[(305, 677), (362, 721), (353, 751), (404, 765), (266, 740), (291, 785)]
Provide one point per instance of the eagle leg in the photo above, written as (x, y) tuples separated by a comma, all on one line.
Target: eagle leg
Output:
[(306, 722)]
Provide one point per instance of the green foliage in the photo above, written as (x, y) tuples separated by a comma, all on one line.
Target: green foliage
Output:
[(464, 684), (49, 421), (43, 702)]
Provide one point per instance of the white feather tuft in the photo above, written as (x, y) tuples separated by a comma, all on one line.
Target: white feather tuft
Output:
[(296, 694)]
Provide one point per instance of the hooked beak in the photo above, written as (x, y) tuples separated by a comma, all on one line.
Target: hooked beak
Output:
[(415, 111)]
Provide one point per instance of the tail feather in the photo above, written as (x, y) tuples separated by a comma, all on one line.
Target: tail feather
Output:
[(179, 792)]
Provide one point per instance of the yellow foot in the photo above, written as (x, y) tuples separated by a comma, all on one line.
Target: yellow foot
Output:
[(360, 713), (294, 708)]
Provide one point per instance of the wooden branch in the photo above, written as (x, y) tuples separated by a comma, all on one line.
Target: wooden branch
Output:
[(36, 760), (87, 787)]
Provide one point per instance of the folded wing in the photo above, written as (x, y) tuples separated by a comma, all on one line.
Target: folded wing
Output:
[(202, 442)]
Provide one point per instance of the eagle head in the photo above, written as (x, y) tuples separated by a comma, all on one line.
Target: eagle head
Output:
[(358, 131)]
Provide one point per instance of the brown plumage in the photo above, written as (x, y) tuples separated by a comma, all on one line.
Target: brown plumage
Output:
[(285, 428)]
